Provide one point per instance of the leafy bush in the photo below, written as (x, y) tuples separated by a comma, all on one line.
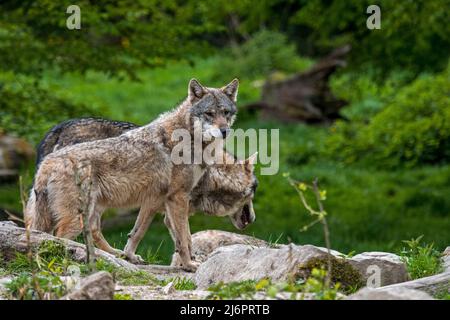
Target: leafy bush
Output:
[(412, 130), (421, 260), (265, 52), (28, 110), (42, 286)]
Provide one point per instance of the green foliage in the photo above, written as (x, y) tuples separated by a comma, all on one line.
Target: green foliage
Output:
[(368, 94), (421, 260), (49, 258), (122, 296), (315, 284), (414, 34), (343, 276), (244, 289), (412, 130), (266, 52), (115, 36), (127, 277), (29, 110), (42, 286)]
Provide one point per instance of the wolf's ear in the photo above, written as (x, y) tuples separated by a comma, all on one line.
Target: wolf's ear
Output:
[(196, 90), (249, 163), (231, 89)]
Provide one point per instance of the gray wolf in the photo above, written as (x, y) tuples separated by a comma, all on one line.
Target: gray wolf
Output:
[(214, 194), (133, 169)]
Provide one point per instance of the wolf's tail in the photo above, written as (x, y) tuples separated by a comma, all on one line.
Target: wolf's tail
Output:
[(47, 144), (38, 215)]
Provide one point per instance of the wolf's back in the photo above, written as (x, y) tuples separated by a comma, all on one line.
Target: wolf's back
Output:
[(75, 131)]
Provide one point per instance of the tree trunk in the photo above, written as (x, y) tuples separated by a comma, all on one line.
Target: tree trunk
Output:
[(304, 97)]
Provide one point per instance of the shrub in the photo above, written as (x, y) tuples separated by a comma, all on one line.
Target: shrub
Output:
[(29, 110), (412, 130), (421, 260), (265, 52)]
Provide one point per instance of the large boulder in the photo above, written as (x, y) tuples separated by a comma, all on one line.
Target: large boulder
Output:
[(98, 286), (389, 294), (390, 267), (205, 242), (246, 262)]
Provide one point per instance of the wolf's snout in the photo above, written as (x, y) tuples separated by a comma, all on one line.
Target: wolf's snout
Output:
[(225, 132)]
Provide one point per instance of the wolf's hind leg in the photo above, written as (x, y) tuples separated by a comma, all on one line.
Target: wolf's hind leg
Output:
[(97, 235), (145, 217)]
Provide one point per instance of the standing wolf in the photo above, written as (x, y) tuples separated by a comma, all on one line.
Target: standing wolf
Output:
[(225, 189), (132, 170)]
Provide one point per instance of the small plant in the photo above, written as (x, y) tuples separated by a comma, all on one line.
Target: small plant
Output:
[(243, 289), (181, 283), (421, 260), (122, 296), (153, 257), (319, 214), (127, 277), (43, 286), (317, 284)]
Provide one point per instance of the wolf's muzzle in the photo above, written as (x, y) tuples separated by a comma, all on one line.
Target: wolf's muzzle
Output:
[(225, 132)]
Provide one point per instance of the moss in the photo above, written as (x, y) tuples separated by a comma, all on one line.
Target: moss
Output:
[(341, 272)]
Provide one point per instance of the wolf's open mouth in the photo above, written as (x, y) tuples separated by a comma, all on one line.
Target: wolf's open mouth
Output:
[(245, 216)]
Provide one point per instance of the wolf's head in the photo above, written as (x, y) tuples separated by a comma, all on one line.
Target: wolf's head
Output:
[(228, 190), (213, 110)]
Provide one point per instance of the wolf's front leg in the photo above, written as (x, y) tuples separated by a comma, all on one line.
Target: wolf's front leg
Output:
[(177, 215)]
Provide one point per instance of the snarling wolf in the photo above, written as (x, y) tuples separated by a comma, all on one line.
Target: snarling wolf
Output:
[(134, 169)]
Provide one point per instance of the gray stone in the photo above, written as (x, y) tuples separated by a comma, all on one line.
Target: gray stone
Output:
[(245, 262), (389, 294), (98, 286), (205, 242), (391, 267)]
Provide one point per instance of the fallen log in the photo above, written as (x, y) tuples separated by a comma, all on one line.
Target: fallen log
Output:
[(13, 239), (304, 97), (432, 285)]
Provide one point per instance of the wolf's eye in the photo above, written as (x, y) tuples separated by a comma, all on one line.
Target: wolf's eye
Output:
[(227, 113), (210, 113)]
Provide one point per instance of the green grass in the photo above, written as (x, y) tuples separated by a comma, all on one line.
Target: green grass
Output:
[(181, 283)]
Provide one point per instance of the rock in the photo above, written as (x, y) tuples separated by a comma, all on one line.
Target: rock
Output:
[(149, 293), (446, 259), (389, 294), (391, 267), (205, 242), (433, 285), (98, 286), (245, 262)]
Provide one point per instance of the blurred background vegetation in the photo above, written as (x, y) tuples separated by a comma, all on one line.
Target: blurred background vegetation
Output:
[(385, 165)]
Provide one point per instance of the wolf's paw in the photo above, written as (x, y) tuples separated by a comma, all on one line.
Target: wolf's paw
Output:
[(134, 258), (192, 266)]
